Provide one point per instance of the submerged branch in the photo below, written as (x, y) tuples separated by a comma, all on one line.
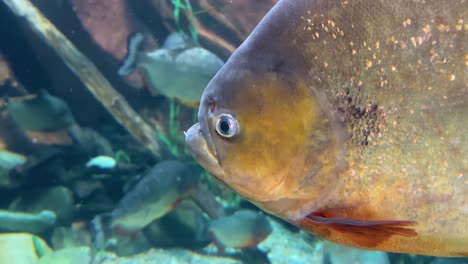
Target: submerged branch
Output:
[(207, 202), (88, 73)]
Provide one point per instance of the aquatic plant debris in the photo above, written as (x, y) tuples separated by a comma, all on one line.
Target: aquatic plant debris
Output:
[(26, 222), (88, 73), (178, 7)]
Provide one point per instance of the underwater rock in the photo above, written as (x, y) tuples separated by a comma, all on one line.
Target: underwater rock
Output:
[(20, 248), (83, 189), (26, 222), (68, 237), (130, 245), (108, 23), (186, 226), (58, 199), (286, 247), (8, 162), (77, 255), (180, 69), (171, 256), (338, 254)]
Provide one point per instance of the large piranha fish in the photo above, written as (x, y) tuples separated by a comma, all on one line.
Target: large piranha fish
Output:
[(348, 119)]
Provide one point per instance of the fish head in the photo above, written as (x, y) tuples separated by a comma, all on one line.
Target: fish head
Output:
[(256, 124)]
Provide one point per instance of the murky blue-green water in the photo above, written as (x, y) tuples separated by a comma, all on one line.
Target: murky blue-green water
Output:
[(93, 164)]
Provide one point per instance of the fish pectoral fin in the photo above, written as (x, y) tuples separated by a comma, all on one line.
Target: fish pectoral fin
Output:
[(362, 232)]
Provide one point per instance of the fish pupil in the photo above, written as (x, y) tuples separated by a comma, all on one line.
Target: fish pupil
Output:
[(224, 126), (227, 126)]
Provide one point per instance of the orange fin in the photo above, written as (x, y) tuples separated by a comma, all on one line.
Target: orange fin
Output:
[(362, 232)]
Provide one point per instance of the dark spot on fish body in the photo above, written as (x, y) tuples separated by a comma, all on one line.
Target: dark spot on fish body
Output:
[(277, 66), (347, 91), (211, 104), (362, 122), (395, 52)]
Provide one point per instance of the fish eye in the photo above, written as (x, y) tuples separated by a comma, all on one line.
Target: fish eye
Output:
[(227, 126)]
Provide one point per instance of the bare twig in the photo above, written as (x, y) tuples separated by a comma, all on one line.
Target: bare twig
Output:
[(88, 73)]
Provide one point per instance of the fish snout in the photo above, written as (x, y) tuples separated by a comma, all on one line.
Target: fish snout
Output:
[(201, 150)]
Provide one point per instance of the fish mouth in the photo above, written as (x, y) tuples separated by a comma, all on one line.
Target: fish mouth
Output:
[(202, 148)]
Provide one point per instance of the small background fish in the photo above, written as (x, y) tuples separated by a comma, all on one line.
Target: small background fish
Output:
[(242, 229), (159, 191), (179, 69), (43, 112)]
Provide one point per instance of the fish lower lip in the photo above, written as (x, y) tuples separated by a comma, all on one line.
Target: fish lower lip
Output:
[(202, 150), (209, 142)]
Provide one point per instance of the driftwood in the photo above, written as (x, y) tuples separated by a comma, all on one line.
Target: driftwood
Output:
[(88, 73), (207, 202), (222, 25)]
